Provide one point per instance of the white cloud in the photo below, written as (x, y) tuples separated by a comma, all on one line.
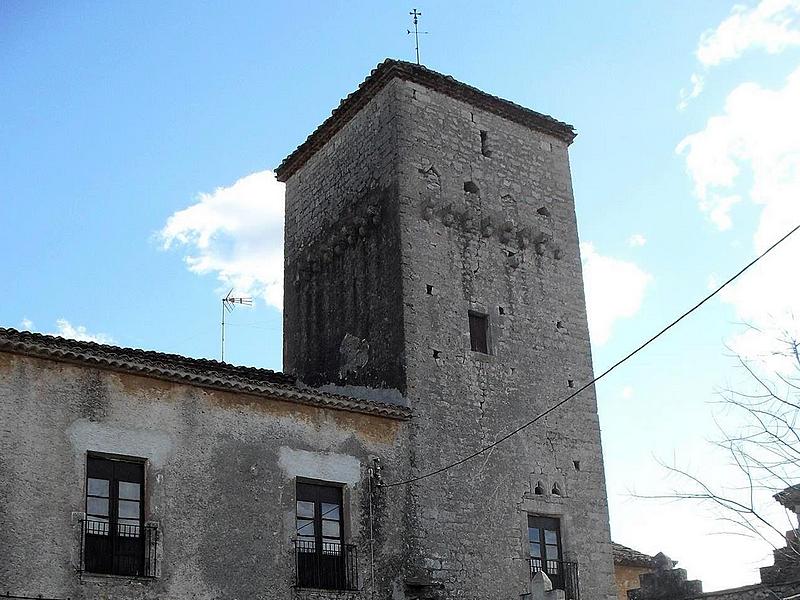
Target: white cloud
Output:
[(756, 140), (614, 290), (698, 83), (78, 332), (236, 233), (637, 240), (26, 324), (771, 25)]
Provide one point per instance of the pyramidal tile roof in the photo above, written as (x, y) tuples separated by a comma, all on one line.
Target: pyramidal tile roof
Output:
[(445, 84)]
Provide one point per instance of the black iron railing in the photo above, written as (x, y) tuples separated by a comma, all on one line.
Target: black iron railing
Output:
[(563, 575), (118, 548), (328, 566)]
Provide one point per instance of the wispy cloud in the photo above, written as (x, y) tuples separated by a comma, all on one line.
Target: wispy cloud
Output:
[(687, 95), (614, 290), (755, 139), (235, 233), (79, 332), (637, 240), (771, 26)]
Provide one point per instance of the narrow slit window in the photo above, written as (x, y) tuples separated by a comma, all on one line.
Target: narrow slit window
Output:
[(485, 150), (479, 332)]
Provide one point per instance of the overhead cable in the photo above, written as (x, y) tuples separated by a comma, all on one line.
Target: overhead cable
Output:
[(560, 403)]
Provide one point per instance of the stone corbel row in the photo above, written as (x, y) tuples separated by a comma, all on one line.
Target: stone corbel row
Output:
[(504, 229)]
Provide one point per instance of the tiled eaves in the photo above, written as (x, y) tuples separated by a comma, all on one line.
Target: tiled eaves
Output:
[(198, 372), (629, 557), (389, 69)]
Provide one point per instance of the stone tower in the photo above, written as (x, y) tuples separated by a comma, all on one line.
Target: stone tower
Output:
[(432, 259)]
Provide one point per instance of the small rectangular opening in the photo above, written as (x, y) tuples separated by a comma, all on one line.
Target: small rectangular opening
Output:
[(479, 332), (485, 144)]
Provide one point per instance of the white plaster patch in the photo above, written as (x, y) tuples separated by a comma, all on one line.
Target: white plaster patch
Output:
[(328, 466), (155, 446)]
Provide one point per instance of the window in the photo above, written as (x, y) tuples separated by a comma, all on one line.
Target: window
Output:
[(479, 332), (114, 537), (323, 559), (544, 540), (485, 144)]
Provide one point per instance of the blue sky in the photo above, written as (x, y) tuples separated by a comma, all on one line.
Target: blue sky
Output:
[(135, 190)]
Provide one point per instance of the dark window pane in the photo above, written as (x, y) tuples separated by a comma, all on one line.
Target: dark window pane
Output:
[(129, 491), (305, 509), (478, 329), (550, 537), (97, 487), (536, 551), (97, 506), (305, 527), (129, 471), (533, 534), (330, 511), (128, 509), (330, 529)]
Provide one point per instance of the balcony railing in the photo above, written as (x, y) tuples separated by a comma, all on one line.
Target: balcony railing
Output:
[(328, 566), (564, 575), (118, 548)]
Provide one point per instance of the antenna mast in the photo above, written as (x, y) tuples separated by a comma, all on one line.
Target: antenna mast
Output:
[(228, 303), (416, 14)]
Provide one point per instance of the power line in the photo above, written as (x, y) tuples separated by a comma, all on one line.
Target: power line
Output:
[(599, 377)]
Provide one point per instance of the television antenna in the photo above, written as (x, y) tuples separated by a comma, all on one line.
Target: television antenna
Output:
[(416, 14), (228, 304)]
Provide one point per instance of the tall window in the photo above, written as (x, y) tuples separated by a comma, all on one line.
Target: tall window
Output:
[(479, 332), (114, 537), (544, 537), (323, 560)]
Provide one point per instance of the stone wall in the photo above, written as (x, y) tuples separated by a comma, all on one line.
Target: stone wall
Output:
[(342, 292), (468, 221), (626, 577), (488, 225), (220, 481)]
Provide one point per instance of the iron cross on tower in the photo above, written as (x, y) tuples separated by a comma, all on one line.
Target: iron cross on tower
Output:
[(416, 14)]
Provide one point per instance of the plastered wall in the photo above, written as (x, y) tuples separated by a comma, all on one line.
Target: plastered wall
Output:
[(220, 481)]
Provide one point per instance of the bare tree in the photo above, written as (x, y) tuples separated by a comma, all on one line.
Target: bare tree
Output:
[(760, 432)]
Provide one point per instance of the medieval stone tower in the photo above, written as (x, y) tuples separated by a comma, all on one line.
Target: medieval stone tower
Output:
[(432, 260)]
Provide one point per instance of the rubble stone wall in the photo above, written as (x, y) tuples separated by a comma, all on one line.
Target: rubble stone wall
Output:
[(476, 214), (488, 225)]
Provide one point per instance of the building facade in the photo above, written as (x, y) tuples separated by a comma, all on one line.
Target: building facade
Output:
[(433, 304), (629, 564), (432, 257), (130, 474)]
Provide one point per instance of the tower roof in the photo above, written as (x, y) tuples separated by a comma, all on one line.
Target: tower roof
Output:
[(388, 70)]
